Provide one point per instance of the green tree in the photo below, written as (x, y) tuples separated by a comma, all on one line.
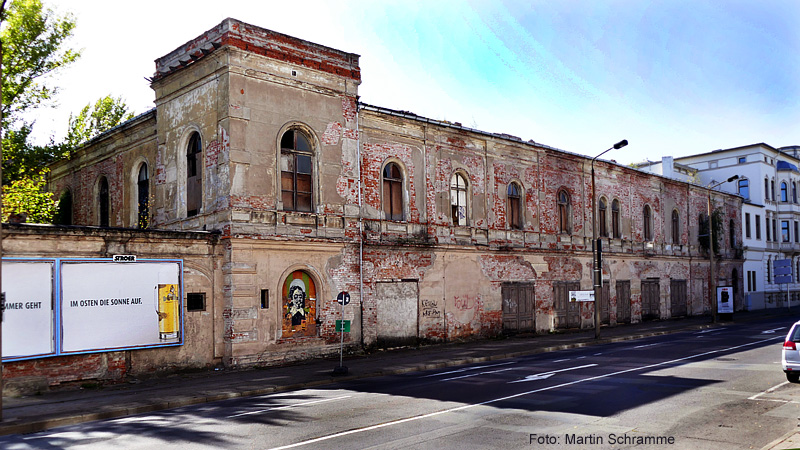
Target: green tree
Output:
[(33, 48), (105, 114), (33, 43), (28, 197), (716, 221)]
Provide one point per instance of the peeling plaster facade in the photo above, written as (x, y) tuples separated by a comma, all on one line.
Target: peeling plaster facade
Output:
[(242, 88)]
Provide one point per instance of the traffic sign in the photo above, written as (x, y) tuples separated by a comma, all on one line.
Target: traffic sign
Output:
[(346, 326), (343, 298)]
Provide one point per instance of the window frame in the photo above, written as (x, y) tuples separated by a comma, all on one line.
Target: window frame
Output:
[(455, 199), (563, 202), (647, 225), (296, 176), (616, 228), (747, 233), (602, 216), (194, 174), (393, 192), (784, 192), (515, 221), (743, 185), (676, 227), (143, 197), (103, 202), (758, 226)]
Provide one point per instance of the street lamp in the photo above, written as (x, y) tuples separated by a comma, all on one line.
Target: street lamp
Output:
[(597, 257), (713, 282)]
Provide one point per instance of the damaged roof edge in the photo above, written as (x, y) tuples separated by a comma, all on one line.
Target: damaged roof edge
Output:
[(412, 116)]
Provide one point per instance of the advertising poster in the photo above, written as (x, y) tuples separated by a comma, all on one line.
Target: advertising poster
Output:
[(725, 300), (168, 311), (28, 308), (107, 305)]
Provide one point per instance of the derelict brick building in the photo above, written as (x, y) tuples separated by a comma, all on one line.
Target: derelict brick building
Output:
[(438, 231)]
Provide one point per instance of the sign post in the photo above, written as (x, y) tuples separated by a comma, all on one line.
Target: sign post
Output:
[(343, 299), (783, 275)]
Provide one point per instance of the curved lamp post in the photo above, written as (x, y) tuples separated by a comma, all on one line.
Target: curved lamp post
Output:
[(597, 257)]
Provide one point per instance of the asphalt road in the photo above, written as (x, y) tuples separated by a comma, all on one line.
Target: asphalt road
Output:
[(710, 389)]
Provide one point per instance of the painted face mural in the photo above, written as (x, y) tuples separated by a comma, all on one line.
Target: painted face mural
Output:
[(299, 305)]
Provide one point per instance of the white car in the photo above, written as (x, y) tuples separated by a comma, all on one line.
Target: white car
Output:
[(790, 360)]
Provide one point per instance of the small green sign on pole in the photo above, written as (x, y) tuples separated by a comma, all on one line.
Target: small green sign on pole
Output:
[(346, 326)]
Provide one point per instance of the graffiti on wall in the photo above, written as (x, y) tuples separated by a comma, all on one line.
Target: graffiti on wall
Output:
[(430, 308), (299, 305)]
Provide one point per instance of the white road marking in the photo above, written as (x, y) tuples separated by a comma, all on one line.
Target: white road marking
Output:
[(466, 369), (545, 375), (647, 345), (463, 407), (772, 330), (709, 331), (476, 374), (561, 360), (768, 391), (289, 406)]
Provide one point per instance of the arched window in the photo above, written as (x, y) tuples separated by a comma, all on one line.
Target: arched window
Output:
[(784, 192), (676, 227), (732, 229), (103, 206), (563, 212), (794, 192), (602, 217), (458, 200), (296, 171), (64, 212), (143, 198), (766, 189), (648, 223), (299, 305), (744, 188), (194, 175), (772, 188), (615, 228), (392, 192), (515, 206)]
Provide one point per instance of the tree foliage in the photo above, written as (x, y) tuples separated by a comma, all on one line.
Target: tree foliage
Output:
[(33, 49), (105, 114), (28, 196), (716, 221)]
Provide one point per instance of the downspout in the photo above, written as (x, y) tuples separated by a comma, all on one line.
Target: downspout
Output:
[(360, 227)]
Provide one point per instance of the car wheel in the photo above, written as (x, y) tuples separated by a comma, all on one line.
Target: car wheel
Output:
[(793, 377)]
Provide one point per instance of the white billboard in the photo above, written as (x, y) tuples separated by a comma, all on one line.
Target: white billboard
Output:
[(28, 308), (108, 305)]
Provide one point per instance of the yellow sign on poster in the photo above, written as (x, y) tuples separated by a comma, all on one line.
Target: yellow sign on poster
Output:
[(168, 310)]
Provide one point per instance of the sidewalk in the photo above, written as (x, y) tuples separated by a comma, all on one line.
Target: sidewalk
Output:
[(66, 407)]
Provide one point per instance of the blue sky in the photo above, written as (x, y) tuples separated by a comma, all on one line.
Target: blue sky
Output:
[(673, 77)]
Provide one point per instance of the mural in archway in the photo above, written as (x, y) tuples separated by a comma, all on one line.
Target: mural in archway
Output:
[(299, 305)]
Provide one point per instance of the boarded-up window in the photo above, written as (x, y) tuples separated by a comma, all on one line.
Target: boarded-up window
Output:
[(296, 172), (515, 206), (602, 217), (615, 229), (676, 229), (648, 223), (392, 192), (194, 178), (103, 202), (563, 212), (143, 188), (458, 200)]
